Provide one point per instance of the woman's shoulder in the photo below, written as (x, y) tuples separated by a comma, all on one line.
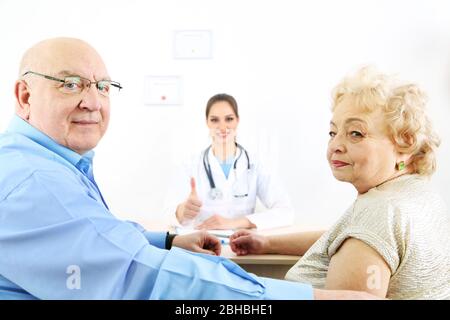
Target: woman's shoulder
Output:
[(404, 189), (402, 199)]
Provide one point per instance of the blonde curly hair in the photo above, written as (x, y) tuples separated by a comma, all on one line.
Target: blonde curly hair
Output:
[(403, 105)]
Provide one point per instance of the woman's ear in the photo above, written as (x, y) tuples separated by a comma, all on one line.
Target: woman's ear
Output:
[(22, 94), (408, 139), (405, 143)]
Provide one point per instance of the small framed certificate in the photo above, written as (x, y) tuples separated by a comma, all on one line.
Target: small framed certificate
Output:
[(162, 90), (193, 44)]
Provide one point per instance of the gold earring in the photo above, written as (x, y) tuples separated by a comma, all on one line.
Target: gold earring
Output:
[(400, 166)]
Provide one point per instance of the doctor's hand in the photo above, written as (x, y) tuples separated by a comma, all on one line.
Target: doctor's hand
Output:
[(189, 209), (201, 242), (245, 242), (218, 222)]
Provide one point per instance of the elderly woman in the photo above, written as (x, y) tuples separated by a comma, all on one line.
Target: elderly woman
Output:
[(393, 240)]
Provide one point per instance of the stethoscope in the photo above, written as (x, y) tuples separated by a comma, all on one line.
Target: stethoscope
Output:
[(216, 193)]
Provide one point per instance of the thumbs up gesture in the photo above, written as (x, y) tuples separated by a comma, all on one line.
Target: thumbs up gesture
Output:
[(189, 209)]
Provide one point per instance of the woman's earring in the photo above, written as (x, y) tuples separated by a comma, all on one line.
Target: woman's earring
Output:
[(400, 166)]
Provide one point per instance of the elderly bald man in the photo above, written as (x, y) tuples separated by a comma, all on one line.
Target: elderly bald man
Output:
[(58, 239)]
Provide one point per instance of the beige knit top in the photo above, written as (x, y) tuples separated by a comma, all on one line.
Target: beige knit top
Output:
[(407, 224)]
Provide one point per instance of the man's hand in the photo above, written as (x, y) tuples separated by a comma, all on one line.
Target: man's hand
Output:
[(200, 241), (189, 209), (245, 242)]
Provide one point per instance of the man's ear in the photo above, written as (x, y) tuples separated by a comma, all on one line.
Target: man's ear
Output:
[(22, 94)]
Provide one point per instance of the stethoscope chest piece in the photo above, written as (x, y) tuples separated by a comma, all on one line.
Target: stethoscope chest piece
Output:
[(215, 194)]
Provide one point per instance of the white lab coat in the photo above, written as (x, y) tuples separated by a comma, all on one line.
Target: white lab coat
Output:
[(261, 183)]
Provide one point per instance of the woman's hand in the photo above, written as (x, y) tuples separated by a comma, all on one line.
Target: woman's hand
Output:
[(189, 209), (245, 242)]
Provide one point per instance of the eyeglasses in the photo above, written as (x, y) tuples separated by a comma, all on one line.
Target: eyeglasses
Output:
[(76, 84)]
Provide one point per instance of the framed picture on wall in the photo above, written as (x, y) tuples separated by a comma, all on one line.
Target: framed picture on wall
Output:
[(163, 90), (193, 44)]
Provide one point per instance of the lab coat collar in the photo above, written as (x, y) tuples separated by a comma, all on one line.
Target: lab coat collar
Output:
[(216, 169)]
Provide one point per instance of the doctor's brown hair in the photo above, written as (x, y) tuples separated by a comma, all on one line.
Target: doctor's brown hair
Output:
[(222, 97)]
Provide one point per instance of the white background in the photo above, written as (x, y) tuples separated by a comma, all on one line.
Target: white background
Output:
[(279, 58)]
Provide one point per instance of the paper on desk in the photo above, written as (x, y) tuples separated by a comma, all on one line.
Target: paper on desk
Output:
[(217, 232)]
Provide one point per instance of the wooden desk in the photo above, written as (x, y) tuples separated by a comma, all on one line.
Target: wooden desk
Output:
[(264, 265)]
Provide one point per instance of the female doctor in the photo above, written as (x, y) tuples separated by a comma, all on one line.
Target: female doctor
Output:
[(225, 180)]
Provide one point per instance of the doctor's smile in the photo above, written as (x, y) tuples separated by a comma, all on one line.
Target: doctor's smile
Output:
[(223, 135)]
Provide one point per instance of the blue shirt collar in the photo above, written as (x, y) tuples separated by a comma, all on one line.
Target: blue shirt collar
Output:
[(20, 126)]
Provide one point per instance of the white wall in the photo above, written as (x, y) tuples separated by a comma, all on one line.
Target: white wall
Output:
[(279, 58)]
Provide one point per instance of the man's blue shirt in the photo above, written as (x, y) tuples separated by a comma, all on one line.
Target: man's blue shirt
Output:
[(58, 239)]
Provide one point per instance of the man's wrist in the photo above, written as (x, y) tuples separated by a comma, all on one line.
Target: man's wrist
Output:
[(169, 240)]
